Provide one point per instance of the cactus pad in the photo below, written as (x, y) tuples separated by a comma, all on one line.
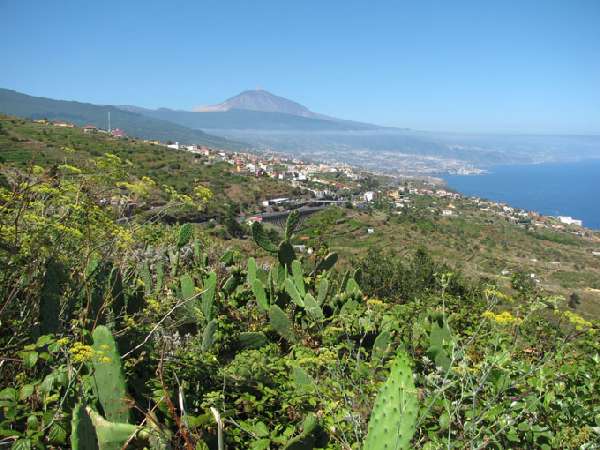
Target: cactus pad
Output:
[(394, 416)]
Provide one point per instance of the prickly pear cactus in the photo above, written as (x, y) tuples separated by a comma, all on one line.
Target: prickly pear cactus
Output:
[(111, 435), (208, 296), (261, 239), (187, 287), (108, 376), (312, 436), (208, 335), (312, 308), (327, 263), (258, 289), (252, 339), (322, 290), (231, 284), (440, 342), (281, 323), (83, 434), (290, 288), (228, 258), (144, 274), (251, 271), (185, 234), (286, 254), (298, 276), (291, 223), (394, 416), (381, 345)]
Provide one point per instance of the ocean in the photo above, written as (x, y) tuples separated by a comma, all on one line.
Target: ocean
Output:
[(553, 189)]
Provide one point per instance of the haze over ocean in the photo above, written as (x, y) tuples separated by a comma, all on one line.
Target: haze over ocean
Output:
[(565, 189)]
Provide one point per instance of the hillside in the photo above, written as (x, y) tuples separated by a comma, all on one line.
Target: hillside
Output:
[(134, 124), (23, 142), (126, 325), (479, 244)]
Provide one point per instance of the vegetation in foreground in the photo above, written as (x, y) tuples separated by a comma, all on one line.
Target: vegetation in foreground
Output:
[(139, 334)]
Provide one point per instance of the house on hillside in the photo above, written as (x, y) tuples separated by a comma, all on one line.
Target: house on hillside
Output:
[(253, 219), (369, 196), (88, 129), (117, 132), (567, 220), (63, 124)]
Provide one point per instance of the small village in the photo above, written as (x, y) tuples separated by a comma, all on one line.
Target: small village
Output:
[(321, 185)]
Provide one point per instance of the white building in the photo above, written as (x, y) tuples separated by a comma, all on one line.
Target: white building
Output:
[(174, 146), (369, 196), (567, 220)]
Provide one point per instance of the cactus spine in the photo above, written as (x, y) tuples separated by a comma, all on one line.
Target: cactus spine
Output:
[(394, 416), (108, 375)]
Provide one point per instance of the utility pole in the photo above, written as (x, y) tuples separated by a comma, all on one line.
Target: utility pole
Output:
[(109, 121)]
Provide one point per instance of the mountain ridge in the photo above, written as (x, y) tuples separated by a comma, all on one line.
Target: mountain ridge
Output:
[(254, 110), (80, 113)]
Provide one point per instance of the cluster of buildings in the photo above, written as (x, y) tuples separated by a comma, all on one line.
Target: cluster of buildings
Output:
[(87, 129), (341, 182)]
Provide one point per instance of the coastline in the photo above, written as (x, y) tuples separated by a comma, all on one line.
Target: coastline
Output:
[(550, 189)]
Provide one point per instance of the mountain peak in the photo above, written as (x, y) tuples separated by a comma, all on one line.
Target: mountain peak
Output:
[(260, 100)]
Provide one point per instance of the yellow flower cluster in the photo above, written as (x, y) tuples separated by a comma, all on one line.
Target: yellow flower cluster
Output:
[(576, 320), (62, 341), (81, 352), (69, 168), (504, 318), (493, 292), (374, 302)]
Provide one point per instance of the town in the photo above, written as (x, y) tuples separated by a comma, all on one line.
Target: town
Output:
[(322, 184)]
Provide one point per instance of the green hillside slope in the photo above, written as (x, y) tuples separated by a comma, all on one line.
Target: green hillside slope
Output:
[(120, 329), (22, 105)]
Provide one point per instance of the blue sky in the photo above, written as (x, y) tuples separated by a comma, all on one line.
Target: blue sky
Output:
[(518, 66)]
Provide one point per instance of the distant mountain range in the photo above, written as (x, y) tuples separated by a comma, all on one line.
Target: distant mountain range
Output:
[(263, 121), (254, 110), (261, 100), (133, 123)]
